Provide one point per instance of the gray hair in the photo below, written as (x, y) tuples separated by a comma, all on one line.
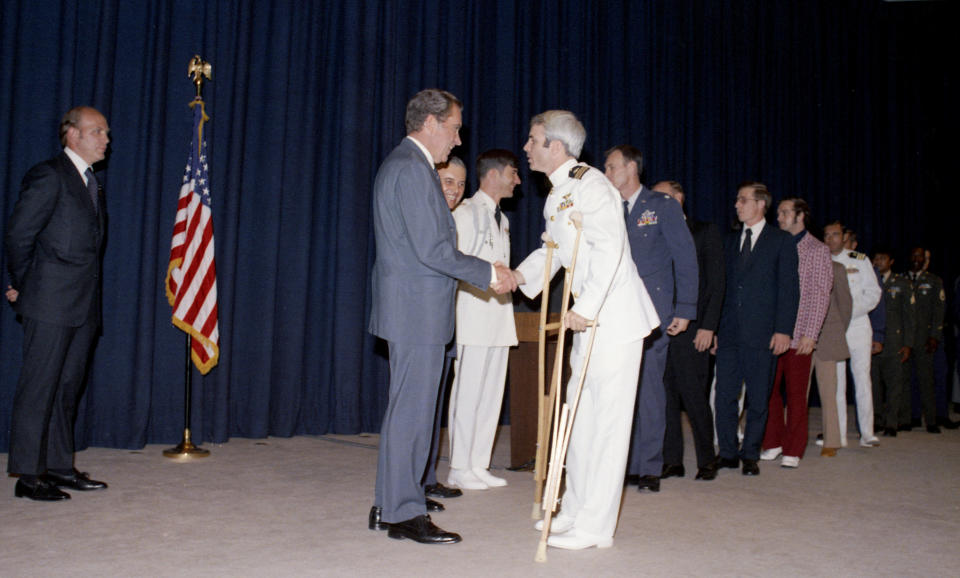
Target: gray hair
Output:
[(431, 101), (452, 161), (562, 125), (71, 118)]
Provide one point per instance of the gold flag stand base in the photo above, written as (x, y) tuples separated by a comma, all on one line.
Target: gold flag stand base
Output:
[(186, 450)]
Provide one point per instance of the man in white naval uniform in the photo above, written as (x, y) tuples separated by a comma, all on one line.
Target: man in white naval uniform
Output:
[(607, 289), (866, 294), (485, 327)]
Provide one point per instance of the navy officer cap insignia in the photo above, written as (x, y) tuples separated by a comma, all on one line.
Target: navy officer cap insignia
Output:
[(852, 255), (578, 171)]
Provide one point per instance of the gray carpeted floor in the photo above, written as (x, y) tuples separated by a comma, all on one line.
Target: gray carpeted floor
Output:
[(298, 507)]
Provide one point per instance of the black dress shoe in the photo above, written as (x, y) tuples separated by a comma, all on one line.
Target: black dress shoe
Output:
[(933, 429), (673, 471), (421, 529), (889, 432), (75, 480), (732, 463), (438, 490), (41, 490), (904, 427), (947, 423), (915, 422), (434, 506), (708, 472), (373, 521), (750, 468), (526, 466), (631, 479), (651, 483)]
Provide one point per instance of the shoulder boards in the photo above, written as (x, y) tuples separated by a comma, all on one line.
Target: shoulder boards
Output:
[(578, 171)]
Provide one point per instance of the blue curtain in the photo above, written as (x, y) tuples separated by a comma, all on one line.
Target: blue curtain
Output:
[(845, 103)]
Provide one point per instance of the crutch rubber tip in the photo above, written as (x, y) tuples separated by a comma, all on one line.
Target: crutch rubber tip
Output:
[(541, 552), (535, 515)]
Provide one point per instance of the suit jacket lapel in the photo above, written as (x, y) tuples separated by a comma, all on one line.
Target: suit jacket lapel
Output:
[(758, 245), (76, 186)]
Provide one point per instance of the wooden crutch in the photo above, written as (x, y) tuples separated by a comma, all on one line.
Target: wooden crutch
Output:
[(545, 419), (559, 453), (543, 405)]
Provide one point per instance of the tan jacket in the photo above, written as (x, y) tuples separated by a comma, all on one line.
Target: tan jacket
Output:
[(832, 345)]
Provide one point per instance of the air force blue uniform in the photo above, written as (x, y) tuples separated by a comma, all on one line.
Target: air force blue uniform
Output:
[(666, 260)]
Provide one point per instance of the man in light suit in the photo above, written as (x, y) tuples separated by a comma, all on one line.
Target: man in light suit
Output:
[(758, 317), (831, 350), (413, 287), (485, 328), (608, 290), (453, 183), (666, 259), (866, 293), (54, 246)]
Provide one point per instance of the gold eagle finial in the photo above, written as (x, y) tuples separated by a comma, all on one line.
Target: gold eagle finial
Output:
[(197, 70)]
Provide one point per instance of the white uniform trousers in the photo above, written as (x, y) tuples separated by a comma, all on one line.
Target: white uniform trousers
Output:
[(597, 454), (859, 341), (475, 399)]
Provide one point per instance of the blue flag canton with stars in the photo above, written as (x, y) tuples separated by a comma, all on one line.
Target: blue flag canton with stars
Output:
[(198, 171)]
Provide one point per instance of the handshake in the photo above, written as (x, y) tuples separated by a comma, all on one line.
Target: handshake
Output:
[(507, 280)]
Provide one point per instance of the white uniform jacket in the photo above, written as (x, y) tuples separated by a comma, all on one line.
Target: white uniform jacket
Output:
[(606, 286), (483, 317), (864, 287)]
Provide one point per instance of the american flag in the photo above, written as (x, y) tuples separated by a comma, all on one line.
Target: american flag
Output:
[(192, 274)]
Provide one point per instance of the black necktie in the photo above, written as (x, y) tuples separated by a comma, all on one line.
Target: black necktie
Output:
[(496, 215), (626, 211), (92, 187), (745, 248)]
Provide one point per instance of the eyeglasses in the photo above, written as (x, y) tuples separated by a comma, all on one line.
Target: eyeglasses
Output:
[(744, 199)]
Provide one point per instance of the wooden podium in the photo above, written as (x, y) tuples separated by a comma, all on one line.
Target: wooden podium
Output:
[(523, 385)]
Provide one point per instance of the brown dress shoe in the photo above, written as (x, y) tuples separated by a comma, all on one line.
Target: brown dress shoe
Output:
[(828, 452)]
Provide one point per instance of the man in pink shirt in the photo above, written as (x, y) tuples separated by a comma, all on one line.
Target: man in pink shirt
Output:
[(789, 437)]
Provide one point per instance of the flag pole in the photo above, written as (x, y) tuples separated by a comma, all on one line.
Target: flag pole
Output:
[(197, 69), (185, 449)]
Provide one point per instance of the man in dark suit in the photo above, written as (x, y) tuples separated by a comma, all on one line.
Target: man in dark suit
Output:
[(887, 369), (688, 359), (54, 245), (413, 286), (756, 323), (929, 307), (666, 260)]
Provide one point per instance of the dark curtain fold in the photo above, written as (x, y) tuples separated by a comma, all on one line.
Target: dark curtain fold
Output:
[(846, 103)]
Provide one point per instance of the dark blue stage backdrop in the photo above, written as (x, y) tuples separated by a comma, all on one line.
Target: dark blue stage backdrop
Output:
[(844, 102)]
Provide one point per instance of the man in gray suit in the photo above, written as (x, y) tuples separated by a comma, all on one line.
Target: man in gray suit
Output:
[(414, 282)]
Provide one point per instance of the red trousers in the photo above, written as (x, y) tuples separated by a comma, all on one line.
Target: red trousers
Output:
[(793, 374)]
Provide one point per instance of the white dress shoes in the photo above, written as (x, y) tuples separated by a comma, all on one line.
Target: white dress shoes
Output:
[(790, 462), (870, 442), (558, 525), (771, 454), (489, 479), (465, 480), (578, 540)]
